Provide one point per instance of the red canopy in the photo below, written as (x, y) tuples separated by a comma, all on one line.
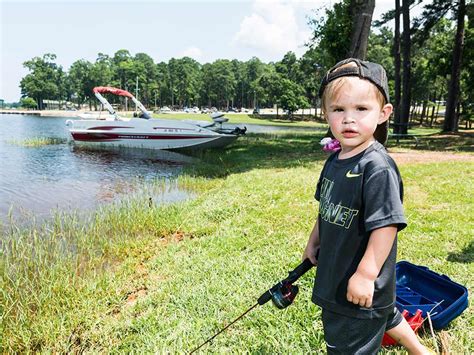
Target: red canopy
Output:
[(110, 90)]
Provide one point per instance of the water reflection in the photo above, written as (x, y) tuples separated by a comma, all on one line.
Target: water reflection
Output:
[(34, 181)]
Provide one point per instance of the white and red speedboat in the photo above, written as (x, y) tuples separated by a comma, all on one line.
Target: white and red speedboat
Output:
[(145, 132)]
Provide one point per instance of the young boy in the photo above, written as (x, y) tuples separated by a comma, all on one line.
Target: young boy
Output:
[(360, 193)]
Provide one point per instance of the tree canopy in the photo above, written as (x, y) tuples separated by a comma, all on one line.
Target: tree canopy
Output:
[(290, 83)]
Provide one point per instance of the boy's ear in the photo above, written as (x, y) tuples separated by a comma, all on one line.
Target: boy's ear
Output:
[(385, 113)]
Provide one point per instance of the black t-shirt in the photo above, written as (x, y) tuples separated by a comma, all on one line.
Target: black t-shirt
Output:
[(356, 195)]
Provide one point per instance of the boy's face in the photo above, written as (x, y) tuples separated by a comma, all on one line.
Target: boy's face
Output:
[(353, 113)]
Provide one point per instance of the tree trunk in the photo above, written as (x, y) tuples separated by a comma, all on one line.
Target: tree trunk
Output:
[(458, 112), (432, 116), (406, 46), (413, 111), (437, 109), (423, 111), (397, 63), (362, 11), (315, 105), (433, 111), (451, 119)]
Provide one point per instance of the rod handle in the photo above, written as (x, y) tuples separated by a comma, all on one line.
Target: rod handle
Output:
[(299, 271)]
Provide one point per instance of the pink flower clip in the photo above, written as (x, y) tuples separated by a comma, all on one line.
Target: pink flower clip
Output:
[(330, 144)]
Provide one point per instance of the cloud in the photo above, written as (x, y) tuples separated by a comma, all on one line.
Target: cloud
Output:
[(275, 27), (192, 52)]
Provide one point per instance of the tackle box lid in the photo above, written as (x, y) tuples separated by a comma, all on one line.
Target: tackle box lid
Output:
[(420, 288)]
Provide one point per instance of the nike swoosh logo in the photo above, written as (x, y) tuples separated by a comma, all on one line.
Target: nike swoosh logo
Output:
[(351, 175)]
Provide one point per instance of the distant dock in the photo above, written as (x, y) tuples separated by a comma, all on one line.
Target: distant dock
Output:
[(20, 112), (43, 113)]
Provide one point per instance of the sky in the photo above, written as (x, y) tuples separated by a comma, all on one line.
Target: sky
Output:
[(204, 30)]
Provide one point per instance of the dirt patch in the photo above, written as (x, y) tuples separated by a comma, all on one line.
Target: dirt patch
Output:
[(178, 236), (133, 297), (417, 157), (175, 237), (141, 270)]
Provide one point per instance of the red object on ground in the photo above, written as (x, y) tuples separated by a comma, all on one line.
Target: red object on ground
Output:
[(415, 323)]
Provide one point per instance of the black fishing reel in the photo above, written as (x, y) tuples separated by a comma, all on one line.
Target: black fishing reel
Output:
[(284, 292), (284, 295)]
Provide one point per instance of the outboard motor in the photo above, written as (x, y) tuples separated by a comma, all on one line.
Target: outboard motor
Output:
[(218, 117)]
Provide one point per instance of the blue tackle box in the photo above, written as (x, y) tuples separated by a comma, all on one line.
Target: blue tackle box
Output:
[(420, 288)]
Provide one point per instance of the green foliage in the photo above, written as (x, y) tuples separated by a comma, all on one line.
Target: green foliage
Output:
[(291, 96), (332, 33), (431, 61), (218, 82), (432, 13), (28, 102), (184, 80), (289, 67), (44, 80), (380, 49), (467, 78), (82, 79), (255, 69)]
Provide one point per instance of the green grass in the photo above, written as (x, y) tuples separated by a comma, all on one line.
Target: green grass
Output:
[(141, 278), (38, 141), (423, 131), (242, 118), (432, 140)]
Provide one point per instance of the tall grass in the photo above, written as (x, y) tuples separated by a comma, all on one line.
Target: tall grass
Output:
[(138, 277), (38, 141)]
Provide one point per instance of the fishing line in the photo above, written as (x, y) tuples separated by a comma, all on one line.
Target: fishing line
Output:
[(282, 295), (211, 338)]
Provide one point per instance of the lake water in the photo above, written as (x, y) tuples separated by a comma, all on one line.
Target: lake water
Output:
[(35, 181)]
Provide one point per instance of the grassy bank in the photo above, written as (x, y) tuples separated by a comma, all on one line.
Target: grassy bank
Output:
[(242, 118), (140, 277)]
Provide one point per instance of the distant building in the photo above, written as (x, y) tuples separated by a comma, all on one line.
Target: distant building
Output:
[(56, 105)]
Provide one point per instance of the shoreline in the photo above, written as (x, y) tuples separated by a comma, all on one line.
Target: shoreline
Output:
[(50, 113)]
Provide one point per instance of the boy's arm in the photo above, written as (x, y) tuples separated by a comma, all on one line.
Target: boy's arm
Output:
[(360, 289), (313, 245)]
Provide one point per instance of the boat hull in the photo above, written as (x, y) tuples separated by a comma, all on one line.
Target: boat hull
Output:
[(150, 134)]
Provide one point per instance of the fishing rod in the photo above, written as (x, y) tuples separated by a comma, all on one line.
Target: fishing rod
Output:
[(282, 295)]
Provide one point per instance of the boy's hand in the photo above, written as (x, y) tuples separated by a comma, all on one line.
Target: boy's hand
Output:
[(312, 246), (310, 253), (360, 290)]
